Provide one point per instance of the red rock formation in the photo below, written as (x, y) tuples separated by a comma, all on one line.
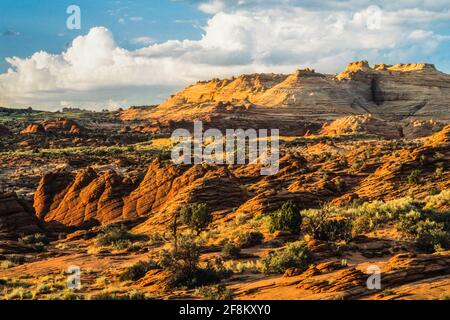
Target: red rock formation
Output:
[(107, 197), (55, 126), (400, 92), (362, 124), (33, 129), (16, 218)]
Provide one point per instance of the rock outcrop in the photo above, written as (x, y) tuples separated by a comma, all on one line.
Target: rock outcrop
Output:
[(60, 125), (92, 197), (400, 269), (400, 92), (33, 129), (16, 219), (362, 124)]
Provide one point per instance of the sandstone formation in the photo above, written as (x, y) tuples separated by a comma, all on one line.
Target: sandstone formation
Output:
[(108, 197), (60, 125), (362, 124), (33, 129), (16, 218), (388, 180), (305, 98), (421, 128), (400, 269)]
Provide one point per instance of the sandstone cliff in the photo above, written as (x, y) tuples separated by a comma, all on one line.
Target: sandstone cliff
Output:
[(400, 92)]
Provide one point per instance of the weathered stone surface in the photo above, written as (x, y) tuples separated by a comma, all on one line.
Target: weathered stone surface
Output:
[(403, 268), (297, 102), (60, 125), (16, 218), (362, 124)]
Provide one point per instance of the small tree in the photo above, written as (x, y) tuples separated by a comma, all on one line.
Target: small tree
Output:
[(288, 218), (196, 216)]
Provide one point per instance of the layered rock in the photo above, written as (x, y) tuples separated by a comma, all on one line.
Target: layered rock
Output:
[(60, 125), (421, 128), (390, 179), (362, 124), (404, 91), (92, 197), (16, 218), (33, 129), (400, 269)]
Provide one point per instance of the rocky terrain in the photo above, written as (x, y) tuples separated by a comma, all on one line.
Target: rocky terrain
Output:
[(301, 102), (363, 183)]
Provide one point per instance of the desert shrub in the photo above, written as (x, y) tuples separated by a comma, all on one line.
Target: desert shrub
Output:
[(138, 270), (116, 236), (183, 265), (6, 264), (250, 239), (414, 177), (370, 216), (230, 250), (295, 255), (408, 222), (133, 295), (19, 294), (341, 185), (216, 293), (322, 224), (17, 259), (429, 229), (196, 216), (37, 241), (431, 237), (439, 200), (439, 172), (434, 191), (34, 238), (287, 218)]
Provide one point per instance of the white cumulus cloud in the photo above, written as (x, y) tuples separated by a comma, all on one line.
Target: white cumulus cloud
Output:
[(240, 37)]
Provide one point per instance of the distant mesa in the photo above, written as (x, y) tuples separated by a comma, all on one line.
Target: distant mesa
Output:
[(400, 93)]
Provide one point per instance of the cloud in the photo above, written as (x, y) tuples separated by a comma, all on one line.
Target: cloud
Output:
[(10, 33), (136, 19), (242, 36), (145, 41)]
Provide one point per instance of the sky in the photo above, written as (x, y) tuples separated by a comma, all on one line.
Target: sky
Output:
[(138, 52)]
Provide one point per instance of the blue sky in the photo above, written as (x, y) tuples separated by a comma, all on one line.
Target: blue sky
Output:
[(137, 52), (41, 25)]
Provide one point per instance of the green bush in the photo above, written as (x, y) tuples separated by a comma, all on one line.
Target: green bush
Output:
[(138, 270), (288, 218), (133, 295), (34, 239), (196, 216), (230, 250), (295, 255), (414, 177), (250, 239), (322, 224), (408, 222), (183, 265), (116, 236), (429, 229), (37, 241), (216, 293), (431, 237)]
